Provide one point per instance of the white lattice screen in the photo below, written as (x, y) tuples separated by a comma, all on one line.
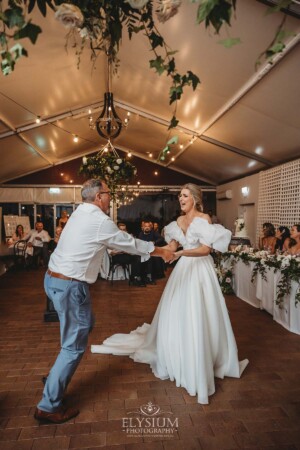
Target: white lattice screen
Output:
[(279, 196)]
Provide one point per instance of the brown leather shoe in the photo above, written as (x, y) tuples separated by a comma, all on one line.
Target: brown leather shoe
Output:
[(61, 416)]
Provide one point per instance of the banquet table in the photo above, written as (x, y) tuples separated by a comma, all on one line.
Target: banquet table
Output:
[(262, 294)]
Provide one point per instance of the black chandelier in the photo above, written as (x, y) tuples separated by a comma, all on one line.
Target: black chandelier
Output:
[(108, 124)]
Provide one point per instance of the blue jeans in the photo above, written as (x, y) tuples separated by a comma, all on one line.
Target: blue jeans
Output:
[(72, 302)]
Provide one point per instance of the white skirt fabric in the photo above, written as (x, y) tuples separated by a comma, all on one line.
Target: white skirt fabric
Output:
[(190, 339)]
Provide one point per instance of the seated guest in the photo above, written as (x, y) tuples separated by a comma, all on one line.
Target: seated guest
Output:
[(143, 273), (63, 219), (155, 227), (54, 242), (122, 226), (294, 245), (38, 242), (283, 238), (267, 240), (18, 235)]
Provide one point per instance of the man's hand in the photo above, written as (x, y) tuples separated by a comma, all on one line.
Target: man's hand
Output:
[(167, 255), (164, 253)]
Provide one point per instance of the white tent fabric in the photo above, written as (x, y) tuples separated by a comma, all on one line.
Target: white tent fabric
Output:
[(243, 120)]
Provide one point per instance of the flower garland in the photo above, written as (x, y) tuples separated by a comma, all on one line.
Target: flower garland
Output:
[(288, 265), (224, 274)]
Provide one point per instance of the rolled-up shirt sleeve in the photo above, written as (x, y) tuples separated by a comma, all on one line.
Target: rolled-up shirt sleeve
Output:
[(110, 235)]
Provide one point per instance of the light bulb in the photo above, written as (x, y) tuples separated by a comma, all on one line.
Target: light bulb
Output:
[(129, 154), (173, 159), (76, 138), (181, 146), (38, 119), (150, 155)]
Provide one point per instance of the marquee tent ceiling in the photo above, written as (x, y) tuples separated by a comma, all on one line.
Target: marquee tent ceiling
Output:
[(242, 120)]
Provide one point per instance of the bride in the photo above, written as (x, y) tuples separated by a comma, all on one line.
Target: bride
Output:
[(190, 339)]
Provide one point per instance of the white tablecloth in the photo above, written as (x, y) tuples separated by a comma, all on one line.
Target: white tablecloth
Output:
[(262, 294), (104, 270)]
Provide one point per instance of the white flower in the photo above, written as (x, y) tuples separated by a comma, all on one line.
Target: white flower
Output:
[(137, 4), (69, 15), (116, 167), (119, 161), (228, 280), (168, 9), (84, 33), (109, 170)]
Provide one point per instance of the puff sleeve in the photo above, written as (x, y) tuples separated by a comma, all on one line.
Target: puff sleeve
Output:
[(172, 232), (212, 235)]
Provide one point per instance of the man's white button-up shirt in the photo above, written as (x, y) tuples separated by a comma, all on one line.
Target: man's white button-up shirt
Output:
[(87, 234)]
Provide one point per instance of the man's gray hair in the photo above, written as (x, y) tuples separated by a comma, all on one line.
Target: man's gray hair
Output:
[(90, 188)]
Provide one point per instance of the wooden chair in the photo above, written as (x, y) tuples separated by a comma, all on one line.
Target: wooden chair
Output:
[(119, 260), (19, 253)]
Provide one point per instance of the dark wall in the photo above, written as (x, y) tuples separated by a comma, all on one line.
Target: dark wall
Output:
[(145, 174)]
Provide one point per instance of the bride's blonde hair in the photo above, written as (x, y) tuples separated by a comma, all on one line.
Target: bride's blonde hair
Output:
[(196, 194)]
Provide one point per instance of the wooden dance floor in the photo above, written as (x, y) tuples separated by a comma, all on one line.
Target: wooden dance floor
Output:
[(259, 411)]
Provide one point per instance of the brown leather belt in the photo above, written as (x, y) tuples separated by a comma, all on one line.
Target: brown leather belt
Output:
[(61, 276)]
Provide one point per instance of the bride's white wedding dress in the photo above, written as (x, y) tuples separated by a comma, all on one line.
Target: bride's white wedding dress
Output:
[(190, 339)]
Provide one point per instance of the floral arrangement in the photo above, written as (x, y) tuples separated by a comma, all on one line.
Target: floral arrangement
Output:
[(288, 265), (116, 171), (100, 24), (225, 276)]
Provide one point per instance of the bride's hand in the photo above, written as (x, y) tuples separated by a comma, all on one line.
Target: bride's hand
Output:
[(176, 255)]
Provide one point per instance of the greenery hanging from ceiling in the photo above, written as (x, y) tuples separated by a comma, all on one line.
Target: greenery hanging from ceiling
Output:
[(100, 23)]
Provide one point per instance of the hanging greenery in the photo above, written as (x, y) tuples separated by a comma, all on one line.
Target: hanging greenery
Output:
[(101, 23), (116, 171)]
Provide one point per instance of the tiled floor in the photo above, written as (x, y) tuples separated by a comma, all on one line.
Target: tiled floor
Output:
[(259, 411)]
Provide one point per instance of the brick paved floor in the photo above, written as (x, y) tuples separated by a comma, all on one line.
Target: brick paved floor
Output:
[(259, 411)]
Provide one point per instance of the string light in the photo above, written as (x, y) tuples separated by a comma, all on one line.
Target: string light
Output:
[(38, 119), (75, 138), (129, 154)]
